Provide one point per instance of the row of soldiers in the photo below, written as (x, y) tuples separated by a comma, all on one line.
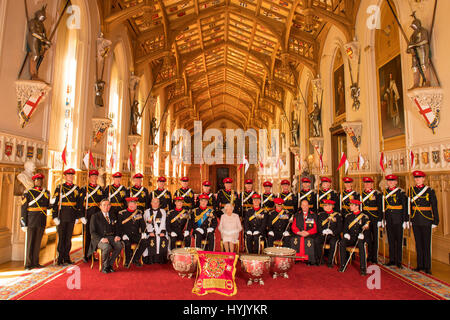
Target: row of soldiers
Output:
[(276, 219)]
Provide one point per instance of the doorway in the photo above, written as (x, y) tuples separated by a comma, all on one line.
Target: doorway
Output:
[(221, 173)]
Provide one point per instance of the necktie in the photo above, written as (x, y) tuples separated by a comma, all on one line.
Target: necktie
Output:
[(107, 218)]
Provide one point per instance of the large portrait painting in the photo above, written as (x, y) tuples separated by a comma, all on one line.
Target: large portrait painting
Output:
[(339, 86), (391, 99)]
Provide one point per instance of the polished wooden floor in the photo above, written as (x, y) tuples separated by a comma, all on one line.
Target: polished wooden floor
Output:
[(13, 269)]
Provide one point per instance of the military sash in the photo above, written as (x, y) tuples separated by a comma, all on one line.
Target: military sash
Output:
[(130, 217), (267, 199), (368, 196), (348, 195), (305, 195), (420, 193), (231, 198), (184, 195), (245, 200), (202, 216), (255, 214), (321, 197), (92, 193), (391, 193), (331, 216), (277, 217), (355, 221), (137, 194), (69, 193), (177, 217), (36, 199), (115, 192)]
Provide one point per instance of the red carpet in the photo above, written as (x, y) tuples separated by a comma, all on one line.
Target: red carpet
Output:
[(160, 282)]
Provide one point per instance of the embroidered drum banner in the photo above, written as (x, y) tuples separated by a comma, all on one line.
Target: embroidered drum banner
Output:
[(216, 273)]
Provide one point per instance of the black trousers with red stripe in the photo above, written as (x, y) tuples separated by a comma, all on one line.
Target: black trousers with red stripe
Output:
[(422, 236)]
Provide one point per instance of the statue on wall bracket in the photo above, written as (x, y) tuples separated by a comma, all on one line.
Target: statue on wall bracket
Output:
[(316, 115), (103, 47), (353, 51)]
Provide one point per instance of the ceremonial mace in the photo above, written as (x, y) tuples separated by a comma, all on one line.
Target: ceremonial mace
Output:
[(351, 254)]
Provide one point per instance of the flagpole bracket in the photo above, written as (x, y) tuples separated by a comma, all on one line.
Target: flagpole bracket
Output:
[(427, 101), (134, 140)]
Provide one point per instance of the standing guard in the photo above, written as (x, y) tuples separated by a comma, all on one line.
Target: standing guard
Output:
[(245, 197), (347, 195), (255, 222), (35, 203), (372, 207), (278, 225), (424, 217), (305, 229), (186, 193), (116, 193), (164, 195), (355, 231), (212, 202), (66, 208), (227, 195), (156, 218), (179, 225), (268, 197), (308, 194), (290, 202), (91, 200), (330, 225), (131, 229), (205, 223), (140, 192), (326, 193), (396, 219)]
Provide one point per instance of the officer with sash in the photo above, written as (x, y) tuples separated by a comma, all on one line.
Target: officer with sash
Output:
[(204, 224), (206, 190), (305, 230), (131, 229), (372, 207), (278, 225), (245, 197), (179, 225), (290, 201), (308, 194), (227, 195), (116, 193), (347, 195), (396, 215), (156, 220), (330, 224), (356, 225), (91, 200), (164, 195), (255, 223), (35, 203), (424, 217), (326, 193), (186, 193), (140, 192), (268, 197), (66, 208)]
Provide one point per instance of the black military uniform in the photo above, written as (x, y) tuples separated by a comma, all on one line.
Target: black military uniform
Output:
[(277, 224), (290, 201), (372, 207), (156, 220), (71, 209), (105, 226), (328, 194), (142, 194), (255, 222), (94, 195), (353, 226), (424, 216), (245, 201), (333, 221), (35, 203), (116, 195), (212, 201), (165, 198), (267, 202), (180, 223), (346, 196), (310, 196), (396, 214), (305, 246), (203, 219), (227, 196), (131, 224), (188, 196)]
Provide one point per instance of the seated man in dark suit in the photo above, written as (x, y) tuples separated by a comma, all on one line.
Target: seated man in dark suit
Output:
[(105, 236)]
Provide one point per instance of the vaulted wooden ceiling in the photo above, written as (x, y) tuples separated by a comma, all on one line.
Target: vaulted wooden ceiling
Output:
[(232, 59)]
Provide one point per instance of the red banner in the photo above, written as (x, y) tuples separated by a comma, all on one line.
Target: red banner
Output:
[(216, 273)]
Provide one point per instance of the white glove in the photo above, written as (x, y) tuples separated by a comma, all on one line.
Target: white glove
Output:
[(125, 237), (383, 223), (256, 233), (324, 232), (379, 224), (286, 234), (24, 229), (186, 233), (433, 226), (270, 233), (144, 235), (329, 231), (209, 230), (405, 225), (347, 236), (83, 220), (57, 222), (249, 233), (173, 234), (361, 236), (200, 230), (76, 221)]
